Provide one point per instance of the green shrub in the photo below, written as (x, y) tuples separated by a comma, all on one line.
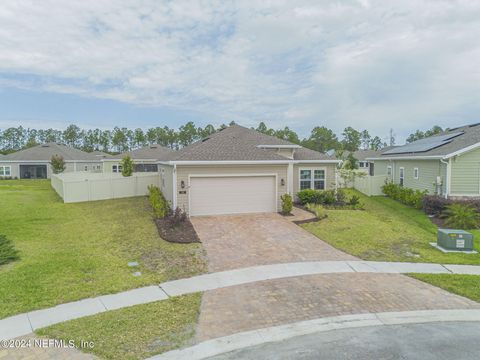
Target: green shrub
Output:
[(340, 196), (461, 216), (404, 195), (287, 203), (8, 253), (159, 204), (307, 196), (58, 164), (127, 166), (327, 197)]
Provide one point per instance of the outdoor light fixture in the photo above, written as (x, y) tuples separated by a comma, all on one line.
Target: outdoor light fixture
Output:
[(182, 184), (282, 182)]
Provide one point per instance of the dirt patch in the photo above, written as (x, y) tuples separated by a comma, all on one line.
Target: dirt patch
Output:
[(183, 233)]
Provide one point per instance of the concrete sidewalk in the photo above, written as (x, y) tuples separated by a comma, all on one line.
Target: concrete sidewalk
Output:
[(23, 324)]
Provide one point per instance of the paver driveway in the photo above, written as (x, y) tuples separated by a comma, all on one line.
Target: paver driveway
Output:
[(237, 241), (248, 240)]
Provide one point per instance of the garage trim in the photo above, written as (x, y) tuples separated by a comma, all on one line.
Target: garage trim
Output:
[(231, 175)]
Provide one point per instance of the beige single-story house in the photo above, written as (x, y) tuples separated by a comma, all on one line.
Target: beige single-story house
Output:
[(239, 170), (34, 162), (145, 159), (447, 164)]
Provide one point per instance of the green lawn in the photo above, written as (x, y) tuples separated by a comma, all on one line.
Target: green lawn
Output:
[(386, 231), (137, 332), (390, 231), (73, 251), (464, 285)]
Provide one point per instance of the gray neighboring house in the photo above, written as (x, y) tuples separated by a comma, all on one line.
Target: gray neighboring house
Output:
[(239, 170), (145, 159), (446, 164), (34, 162)]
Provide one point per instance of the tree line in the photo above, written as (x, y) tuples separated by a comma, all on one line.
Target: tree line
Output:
[(123, 139)]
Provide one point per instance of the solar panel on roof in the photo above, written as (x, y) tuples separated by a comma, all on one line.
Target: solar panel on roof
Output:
[(424, 144)]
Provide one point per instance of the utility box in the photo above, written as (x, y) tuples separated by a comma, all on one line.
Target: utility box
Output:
[(458, 240)]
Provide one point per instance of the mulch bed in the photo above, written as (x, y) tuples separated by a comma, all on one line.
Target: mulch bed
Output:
[(184, 233)]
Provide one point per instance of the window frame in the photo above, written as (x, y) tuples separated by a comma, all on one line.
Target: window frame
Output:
[(4, 168), (416, 173), (389, 170), (117, 168), (313, 179), (401, 176)]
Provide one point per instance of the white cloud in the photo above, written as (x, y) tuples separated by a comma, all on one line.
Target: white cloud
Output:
[(373, 64)]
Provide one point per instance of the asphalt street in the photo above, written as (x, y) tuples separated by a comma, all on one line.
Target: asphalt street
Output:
[(437, 341)]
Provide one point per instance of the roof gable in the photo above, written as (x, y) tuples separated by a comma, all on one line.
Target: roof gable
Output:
[(237, 143)]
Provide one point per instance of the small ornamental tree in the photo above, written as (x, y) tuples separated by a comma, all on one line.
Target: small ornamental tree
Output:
[(58, 164), (287, 204), (127, 166)]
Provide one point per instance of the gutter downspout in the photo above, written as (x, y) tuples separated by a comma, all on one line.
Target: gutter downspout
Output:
[(447, 180)]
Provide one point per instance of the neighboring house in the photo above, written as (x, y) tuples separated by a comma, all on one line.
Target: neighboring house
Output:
[(447, 164), (239, 170), (34, 162), (145, 159), (362, 162)]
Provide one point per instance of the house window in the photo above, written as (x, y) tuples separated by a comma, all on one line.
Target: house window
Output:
[(85, 168), (312, 179), (389, 170), (117, 168), (5, 170), (415, 173), (402, 176)]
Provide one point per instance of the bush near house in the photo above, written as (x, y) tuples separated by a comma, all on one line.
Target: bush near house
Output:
[(159, 204), (287, 204), (58, 164), (329, 199), (404, 195), (461, 216), (436, 205), (127, 166)]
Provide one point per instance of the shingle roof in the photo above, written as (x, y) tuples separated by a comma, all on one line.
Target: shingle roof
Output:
[(237, 143), (362, 155), (44, 152), (151, 152), (470, 136)]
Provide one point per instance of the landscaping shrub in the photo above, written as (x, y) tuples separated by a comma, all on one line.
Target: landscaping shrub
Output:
[(327, 197), (404, 195), (287, 204), (308, 196), (340, 196), (434, 204), (127, 166), (159, 204), (461, 216), (176, 217), (8, 253), (58, 164)]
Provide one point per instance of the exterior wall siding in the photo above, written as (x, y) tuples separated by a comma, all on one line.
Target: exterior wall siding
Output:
[(166, 181), (329, 175), (465, 174), (428, 172), (183, 173)]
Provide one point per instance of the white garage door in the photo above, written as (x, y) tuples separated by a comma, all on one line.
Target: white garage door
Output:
[(232, 195)]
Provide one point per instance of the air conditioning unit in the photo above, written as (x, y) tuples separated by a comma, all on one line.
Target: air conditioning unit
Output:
[(457, 240)]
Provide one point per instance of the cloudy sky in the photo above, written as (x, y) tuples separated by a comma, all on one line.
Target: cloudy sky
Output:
[(368, 64)]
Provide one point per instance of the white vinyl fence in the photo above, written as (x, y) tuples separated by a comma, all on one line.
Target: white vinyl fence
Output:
[(370, 185), (78, 187)]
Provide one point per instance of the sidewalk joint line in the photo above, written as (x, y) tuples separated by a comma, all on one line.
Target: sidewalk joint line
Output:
[(351, 267), (101, 302), (450, 271), (163, 290), (30, 322)]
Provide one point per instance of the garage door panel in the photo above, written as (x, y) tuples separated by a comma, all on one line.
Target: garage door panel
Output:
[(232, 195)]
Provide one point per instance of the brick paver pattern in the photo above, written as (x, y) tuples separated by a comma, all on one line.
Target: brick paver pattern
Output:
[(237, 241), (269, 303), (249, 240)]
